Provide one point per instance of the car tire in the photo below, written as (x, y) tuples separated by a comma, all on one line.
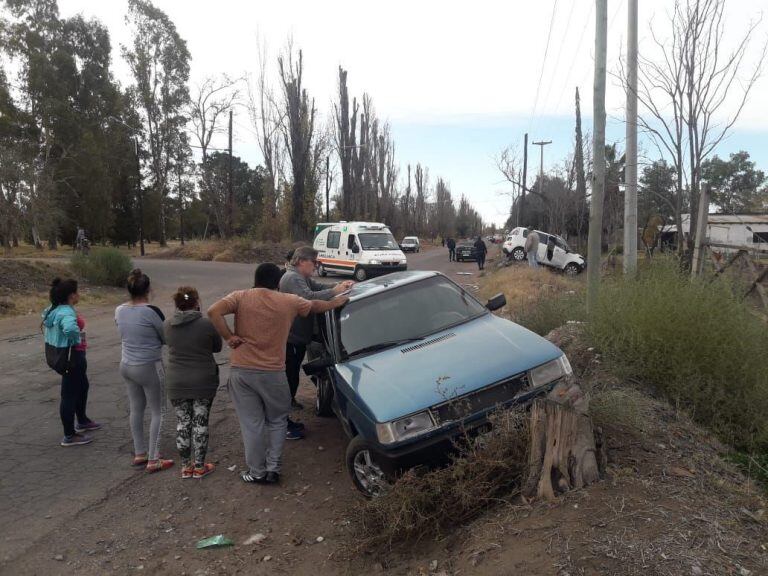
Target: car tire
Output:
[(572, 269), (360, 274), (324, 397), (367, 476), (518, 254), (322, 271)]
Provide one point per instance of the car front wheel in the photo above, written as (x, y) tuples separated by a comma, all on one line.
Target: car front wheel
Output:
[(367, 475), (572, 269), (518, 254), (360, 274)]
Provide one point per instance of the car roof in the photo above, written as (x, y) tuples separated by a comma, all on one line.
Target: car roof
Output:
[(411, 238), (388, 282)]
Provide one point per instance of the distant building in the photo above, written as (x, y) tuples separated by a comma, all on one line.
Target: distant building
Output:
[(732, 230)]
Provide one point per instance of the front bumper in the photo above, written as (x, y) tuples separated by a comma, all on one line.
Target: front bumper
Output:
[(381, 269), (439, 447)]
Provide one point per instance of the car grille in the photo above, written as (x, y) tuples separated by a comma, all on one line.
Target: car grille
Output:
[(480, 400)]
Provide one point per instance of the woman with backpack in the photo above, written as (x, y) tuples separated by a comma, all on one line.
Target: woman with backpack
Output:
[(65, 337), (141, 367), (192, 379)]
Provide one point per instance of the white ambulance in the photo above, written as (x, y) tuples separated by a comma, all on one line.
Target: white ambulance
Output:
[(358, 249)]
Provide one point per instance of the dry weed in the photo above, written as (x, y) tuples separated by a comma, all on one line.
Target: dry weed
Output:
[(486, 471)]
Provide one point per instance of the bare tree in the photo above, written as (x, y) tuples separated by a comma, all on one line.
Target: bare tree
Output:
[(694, 94), (298, 129), (266, 120)]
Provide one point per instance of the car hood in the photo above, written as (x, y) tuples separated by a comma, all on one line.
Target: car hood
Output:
[(391, 384)]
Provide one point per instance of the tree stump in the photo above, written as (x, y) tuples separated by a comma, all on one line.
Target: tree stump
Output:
[(563, 455)]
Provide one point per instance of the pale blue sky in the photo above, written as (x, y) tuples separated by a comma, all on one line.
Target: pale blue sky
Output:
[(458, 81)]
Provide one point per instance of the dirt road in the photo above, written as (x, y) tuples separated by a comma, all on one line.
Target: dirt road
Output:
[(85, 509)]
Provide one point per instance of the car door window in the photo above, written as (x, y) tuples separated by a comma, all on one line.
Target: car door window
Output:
[(352, 246), (333, 240)]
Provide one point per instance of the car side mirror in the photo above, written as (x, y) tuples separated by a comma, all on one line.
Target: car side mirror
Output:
[(318, 365), (498, 301), (355, 249)]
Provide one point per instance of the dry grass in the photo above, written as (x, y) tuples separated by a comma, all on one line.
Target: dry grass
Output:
[(487, 471), (523, 285), (24, 287), (235, 250)]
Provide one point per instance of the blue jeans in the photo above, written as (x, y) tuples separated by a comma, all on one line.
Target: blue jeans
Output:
[(532, 261)]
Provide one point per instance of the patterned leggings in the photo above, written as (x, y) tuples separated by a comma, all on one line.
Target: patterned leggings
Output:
[(192, 428)]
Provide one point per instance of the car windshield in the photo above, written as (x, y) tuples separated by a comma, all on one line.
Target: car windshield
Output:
[(410, 312), (378, 241)]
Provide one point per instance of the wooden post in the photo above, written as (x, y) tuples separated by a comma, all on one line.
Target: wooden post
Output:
[(701, 230)]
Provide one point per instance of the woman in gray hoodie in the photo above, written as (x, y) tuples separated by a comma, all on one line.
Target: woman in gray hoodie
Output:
[(192, 379)]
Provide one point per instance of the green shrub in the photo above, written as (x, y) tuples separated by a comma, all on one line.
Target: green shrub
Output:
[(694, 342), (550, 311), (105, 266)]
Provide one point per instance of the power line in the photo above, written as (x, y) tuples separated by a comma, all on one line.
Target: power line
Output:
[(575, 56), (543, 64), (560, 52)]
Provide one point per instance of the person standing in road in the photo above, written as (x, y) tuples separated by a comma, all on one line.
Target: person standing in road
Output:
[(257, 382), (451, 243), (481, 250), (192, 379), (64, 328), (532, 248), (298, 280), (141, 367)]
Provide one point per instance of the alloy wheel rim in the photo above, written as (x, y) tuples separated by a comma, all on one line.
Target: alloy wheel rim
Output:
[(368, 473)]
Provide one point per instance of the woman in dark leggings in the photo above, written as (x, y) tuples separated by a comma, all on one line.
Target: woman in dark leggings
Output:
[(192, 379), (64, 327)]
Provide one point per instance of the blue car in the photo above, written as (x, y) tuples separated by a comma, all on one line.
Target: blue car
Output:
[(412, 362)]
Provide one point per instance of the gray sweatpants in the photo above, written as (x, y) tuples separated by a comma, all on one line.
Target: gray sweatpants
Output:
[(262, 401), (145, 384)]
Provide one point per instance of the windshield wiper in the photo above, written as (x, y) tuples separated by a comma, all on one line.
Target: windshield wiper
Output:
[(384, 345)]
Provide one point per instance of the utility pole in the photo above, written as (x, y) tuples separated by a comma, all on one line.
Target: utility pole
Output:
[(630, 193), (139, 195), (230, 193), (594, 245), (521, 212), (328, 188), (541, 167)]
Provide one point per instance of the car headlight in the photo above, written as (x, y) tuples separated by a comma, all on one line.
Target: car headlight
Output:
[(550, 371), (404, 428), (374, 262), (403, 261)]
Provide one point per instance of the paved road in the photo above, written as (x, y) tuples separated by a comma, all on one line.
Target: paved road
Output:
[(44, 485)]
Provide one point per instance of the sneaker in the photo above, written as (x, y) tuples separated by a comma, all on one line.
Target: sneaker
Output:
[(249, 478), (76, 440), (88, 427), (158, 465), (272, 477), (296, 405), (204, 470), (294, 434), (292, 425), (187, 472)]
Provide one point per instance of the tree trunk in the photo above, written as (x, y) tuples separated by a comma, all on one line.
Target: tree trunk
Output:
[(564, 452)]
